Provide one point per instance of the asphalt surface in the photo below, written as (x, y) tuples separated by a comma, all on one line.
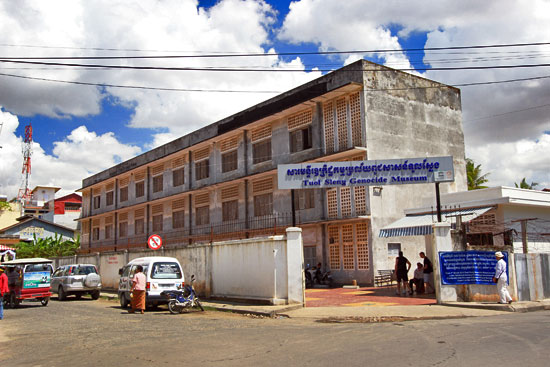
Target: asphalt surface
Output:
[(91, 333)]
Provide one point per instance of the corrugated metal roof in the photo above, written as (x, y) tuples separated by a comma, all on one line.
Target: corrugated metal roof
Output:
[(421, 225)]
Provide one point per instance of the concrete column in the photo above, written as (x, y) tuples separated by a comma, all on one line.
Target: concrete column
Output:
[(441, 241), (295, 266)]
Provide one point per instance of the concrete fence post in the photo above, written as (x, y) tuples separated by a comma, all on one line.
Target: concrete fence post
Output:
[(442, 241), (295, 266)]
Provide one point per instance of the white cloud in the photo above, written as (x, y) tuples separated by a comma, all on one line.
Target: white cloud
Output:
[(511, 162), (359, 24), (167, 26), (79, 155)]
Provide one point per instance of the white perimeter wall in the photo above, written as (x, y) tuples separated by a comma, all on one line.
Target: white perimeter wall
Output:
[(268, 269)]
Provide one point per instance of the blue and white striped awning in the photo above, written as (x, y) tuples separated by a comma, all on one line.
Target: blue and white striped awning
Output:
[(421, 225)]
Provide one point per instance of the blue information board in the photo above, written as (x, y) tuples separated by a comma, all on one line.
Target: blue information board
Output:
[(469, 267)]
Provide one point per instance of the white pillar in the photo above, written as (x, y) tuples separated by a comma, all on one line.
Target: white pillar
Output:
[(295, 265), (442, 241)]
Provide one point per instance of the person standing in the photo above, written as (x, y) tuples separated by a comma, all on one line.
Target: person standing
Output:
[(138, 290), (428, 270), (501, 278), (402, 267), (4, 291)]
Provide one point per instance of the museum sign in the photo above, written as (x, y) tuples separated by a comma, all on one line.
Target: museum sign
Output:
[(365, 173)]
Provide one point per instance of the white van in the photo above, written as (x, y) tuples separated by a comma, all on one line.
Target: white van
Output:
[(161, 273)]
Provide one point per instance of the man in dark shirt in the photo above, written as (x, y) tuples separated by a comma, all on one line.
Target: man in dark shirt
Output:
[(402, 267), (428, 270)]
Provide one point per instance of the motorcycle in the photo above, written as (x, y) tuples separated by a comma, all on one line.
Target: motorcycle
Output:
[(309, 275), (323, 278), (314, 275), (182, 300)]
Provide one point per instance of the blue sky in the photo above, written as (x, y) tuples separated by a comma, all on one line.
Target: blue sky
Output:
[(81, 130)]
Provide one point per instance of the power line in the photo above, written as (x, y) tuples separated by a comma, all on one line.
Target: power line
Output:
[(232, 69), (138, 87), (229, 54), (262, 91), (509, 112)]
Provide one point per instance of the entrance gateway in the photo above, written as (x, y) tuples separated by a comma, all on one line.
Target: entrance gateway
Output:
[(347, 243)]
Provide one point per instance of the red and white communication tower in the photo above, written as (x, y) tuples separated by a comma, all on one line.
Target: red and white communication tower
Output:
[(24, 191)]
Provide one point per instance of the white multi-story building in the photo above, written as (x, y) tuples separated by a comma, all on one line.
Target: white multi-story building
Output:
[(220, 182)]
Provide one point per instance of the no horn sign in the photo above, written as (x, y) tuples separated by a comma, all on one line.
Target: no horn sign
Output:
[(154, 242)]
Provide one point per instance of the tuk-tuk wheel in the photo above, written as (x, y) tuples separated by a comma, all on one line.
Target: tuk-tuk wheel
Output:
[(45, 301)]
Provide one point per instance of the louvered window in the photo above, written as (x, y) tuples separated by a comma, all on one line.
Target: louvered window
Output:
[(108, 231), (97, 202), (178, 177), (123, 229), (347, 246), (332, 203), (261, 151), (334, 247), (178, 219), (299, 126), (341, 119), (345, 202), (265, 184), (139, 226), (300, 119), (362, 236), (123, 192), (300, 139), (304, 199), (202, 215), (261, 144), (229, 161), (178, 213), (229, 144), (230, 192), (201, 154), (157, 170), (158, 183), (328, 118), (263, 204), (140, 189), (360, 200), (139, 222), (157, 223), (230, 210), (95, 233), (355, 113), (202, 169), (110, 198)]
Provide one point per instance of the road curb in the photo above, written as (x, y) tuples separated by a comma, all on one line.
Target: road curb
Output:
[(514, 307)]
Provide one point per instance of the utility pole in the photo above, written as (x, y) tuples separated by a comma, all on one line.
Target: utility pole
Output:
[(524, 232)]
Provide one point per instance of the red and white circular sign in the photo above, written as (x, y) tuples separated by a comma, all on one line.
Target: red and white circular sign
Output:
[(154, 242)]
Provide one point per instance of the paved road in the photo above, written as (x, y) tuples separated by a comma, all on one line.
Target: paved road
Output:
[(98, 333)]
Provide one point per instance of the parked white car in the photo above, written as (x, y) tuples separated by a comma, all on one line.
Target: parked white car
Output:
[(77, 280), (162, 274)]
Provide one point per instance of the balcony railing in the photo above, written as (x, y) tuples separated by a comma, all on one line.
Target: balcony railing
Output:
[(235, 229)]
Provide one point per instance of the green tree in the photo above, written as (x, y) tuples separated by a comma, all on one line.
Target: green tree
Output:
[(48, 247), (524, 185), (475, 178)]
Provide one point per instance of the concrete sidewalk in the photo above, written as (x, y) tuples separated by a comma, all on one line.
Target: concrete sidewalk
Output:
[(371, 313)]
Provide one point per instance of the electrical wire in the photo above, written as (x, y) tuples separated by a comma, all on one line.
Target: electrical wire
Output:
[(266, 91), (233, 69), (227, 54)]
